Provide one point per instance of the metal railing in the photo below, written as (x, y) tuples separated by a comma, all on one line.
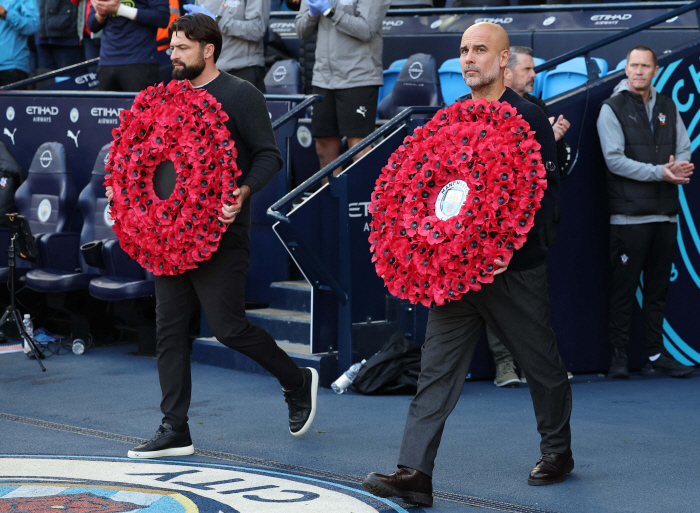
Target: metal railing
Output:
[(50, 74), (345, 158)]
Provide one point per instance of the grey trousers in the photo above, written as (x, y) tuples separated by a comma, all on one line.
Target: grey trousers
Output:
[(516, 306), (498, 349)]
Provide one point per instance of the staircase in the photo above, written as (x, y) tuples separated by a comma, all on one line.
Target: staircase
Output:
[(288, 320)]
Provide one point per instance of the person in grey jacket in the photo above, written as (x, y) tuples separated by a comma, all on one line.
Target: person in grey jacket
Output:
[(243, 24), (647, 151), (348, 69)]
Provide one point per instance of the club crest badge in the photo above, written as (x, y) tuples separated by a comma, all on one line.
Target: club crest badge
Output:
[(662, 119), (450, 199), (3, 182), (624, 259)]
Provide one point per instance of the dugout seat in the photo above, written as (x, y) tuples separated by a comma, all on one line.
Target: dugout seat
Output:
[(569, 75), (391, 74), (452, 83), (418, 84), (284, 77)]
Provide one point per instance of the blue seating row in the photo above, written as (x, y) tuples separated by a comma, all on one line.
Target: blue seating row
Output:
[(49, 200)]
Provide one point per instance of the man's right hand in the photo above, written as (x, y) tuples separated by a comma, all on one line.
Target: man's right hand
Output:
[(109, 193), (677, 173)]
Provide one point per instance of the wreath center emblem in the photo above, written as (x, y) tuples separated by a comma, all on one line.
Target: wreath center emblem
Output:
[(450, 199)]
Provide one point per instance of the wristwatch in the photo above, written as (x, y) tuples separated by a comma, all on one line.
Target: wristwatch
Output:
[(329, 13)]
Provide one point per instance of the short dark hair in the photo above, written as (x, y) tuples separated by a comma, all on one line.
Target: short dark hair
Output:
[(518, 50), (643, 48), (199, 27)]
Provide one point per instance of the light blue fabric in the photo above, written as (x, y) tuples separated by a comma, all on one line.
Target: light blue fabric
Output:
[(22, 20), (191, 9)]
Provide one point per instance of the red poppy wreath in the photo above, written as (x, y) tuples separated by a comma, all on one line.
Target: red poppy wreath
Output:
[(461, 192), (186, 126)]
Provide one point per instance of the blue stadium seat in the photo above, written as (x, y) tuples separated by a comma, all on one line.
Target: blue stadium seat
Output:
[(390, 76), (539, 78), (62, 266), (621, 65), (48, 198), (452, 82), (417, 84), (284, 77), (569, 75)]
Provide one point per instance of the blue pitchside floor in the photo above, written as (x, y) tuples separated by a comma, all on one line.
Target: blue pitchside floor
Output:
[(64, 435)]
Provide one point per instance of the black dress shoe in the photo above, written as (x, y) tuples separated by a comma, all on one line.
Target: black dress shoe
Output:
[(551, 468), (667, 366), (166, 442), (618, 365), (412, 486)]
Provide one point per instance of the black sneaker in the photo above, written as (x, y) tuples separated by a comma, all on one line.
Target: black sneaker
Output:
[(302, 402), (667, 366), (166, 442)]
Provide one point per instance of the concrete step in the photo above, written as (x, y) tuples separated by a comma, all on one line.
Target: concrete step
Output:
[(291, 295), (284, 325), (209, 351)]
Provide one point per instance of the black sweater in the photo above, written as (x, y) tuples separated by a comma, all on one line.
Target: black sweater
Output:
[(534, 253), (259, 159)]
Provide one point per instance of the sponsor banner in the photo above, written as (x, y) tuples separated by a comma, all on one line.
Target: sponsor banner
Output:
[(516, 21)]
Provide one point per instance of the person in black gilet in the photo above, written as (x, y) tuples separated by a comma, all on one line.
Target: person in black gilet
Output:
[(646, 149)]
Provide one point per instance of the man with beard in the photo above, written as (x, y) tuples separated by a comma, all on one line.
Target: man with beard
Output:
[(219, 283), (515, 305)]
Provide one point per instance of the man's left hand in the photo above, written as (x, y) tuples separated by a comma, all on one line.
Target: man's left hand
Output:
[(231, 211), (501, 267), (560, 126), (318, 6), (106, 7), (192, 8)]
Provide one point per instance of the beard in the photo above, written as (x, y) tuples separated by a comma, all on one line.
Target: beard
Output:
[(191, 71), (484, 78)]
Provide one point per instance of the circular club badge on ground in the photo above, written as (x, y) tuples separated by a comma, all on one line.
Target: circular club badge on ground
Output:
[(117, 485)]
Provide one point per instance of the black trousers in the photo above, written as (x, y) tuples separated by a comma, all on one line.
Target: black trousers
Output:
[(516, 306), (219, 284), (253, 74), (637, 248), (127, 78)]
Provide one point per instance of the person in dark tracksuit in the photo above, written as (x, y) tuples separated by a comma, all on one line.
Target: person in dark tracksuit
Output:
[(515, 305), (647, 151), (219, 283)]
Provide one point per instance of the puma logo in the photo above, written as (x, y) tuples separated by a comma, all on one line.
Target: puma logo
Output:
[(362, 110), (634, 118), (74, 136), (9, 134)]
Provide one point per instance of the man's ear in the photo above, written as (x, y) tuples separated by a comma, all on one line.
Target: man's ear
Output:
[(208, 51)]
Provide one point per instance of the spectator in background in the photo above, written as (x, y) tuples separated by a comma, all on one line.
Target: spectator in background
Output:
[(90, 40), (243, 25), (519, 75), (348, 69), (18, 20), (128, 54), (647, 151), (57, 42)]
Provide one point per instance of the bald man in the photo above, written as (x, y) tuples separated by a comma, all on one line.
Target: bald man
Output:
[(515, 305)]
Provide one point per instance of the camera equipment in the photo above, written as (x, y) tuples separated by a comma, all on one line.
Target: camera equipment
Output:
[(22, 240)]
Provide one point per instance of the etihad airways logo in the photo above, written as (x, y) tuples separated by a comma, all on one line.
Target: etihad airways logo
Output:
[(498, 21), (610, 19), (41, 113), (107, 116)]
